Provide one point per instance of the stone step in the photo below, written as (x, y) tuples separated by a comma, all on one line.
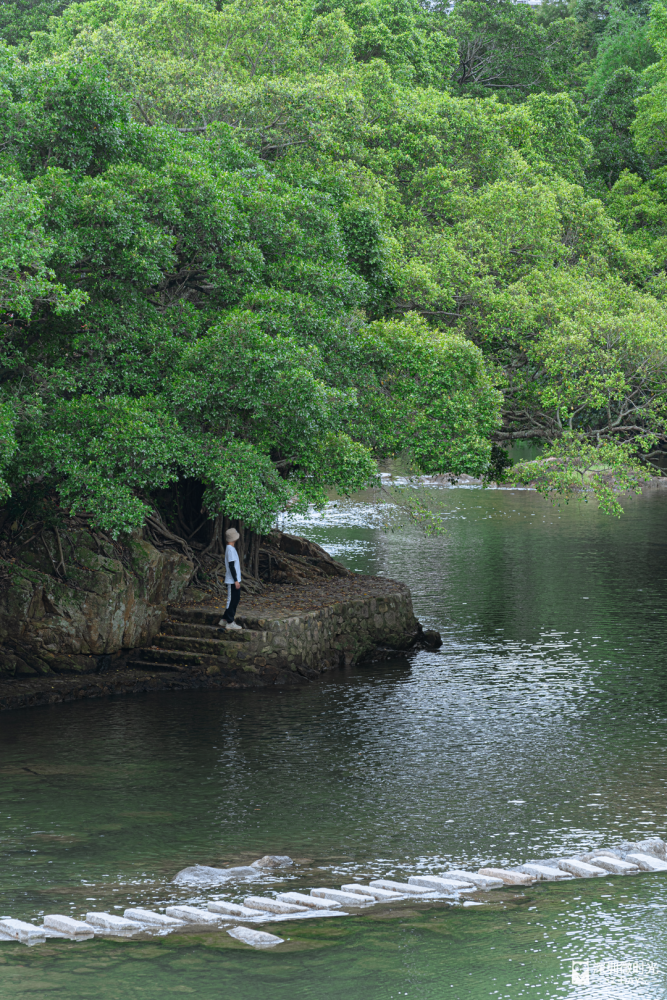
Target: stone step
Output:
[(21, 930), (200, 616), (193, 915), (481, 881), (193, 616), (508, 877), (647, 862), (229, 654), (405, 888), (272, 905), (338, 896), (68, 925), (175, 659), (615, 865), (208, 632), (188, 644), (580, 869), (151, 918), (155, 666), (112, 924), (372, 891), (442, 884), (234, 909), (544, 873), (300, 899), (256, 939)]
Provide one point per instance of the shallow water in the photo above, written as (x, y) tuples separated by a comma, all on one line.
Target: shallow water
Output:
[(538, 728)]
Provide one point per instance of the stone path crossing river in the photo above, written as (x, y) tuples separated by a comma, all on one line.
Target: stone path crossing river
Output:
[(238, 919)]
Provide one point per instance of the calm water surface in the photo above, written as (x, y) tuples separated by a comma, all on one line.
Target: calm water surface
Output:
[(538, 728)]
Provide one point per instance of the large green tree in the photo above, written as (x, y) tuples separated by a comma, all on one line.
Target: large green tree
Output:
[(262, 244), (174, 311)]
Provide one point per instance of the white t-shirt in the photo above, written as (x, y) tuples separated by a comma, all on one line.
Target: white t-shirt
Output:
[(232, 556)]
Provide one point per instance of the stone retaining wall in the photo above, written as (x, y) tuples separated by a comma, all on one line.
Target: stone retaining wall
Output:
[(280, 650), (286, 650)]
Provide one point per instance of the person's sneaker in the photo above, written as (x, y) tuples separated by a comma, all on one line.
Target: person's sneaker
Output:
[(223, 622), (234, 626)]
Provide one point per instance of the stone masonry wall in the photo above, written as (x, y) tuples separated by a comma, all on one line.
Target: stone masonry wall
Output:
[(283, 650), (192, 652)]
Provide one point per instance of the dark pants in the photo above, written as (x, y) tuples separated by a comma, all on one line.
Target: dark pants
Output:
[(233, 604)]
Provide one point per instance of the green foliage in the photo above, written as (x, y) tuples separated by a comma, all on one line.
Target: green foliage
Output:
[(62, 116), (25, 252), (427, 393), (576, 468), (504, 47), (625, 44), (258, 245), (650, 127), (19, 18), (589, 360), (641, 209), (609, 127)]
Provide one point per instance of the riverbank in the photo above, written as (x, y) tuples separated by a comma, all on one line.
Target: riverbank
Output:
[(292, 633)]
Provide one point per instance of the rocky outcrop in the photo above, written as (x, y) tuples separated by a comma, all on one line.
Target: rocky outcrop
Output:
[(119, 617), (351, 623), (71, 599), (291, 636)]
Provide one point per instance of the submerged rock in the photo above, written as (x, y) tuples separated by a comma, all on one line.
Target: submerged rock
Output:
[(272, 861), (431, 638), (257, 939), (204, 875), (654, 846)]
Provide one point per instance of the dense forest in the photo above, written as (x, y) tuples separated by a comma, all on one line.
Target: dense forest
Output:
[(250, 248)]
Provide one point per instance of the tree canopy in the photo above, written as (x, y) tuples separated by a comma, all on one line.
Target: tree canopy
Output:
[(256, 246)]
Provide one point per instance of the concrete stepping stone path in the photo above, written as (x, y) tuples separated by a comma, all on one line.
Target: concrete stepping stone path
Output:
[(544, 873), (441, 884), (630, 859), (193, 915), (272, 905), (372, 891), (68, 926), (112, 924), (300, 899), (508, 877), (234, 909), (151, 918)]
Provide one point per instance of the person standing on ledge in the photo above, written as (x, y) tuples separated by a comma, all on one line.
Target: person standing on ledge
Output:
[(232, 579)]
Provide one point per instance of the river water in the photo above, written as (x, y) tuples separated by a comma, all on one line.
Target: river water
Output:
[(537, 728)]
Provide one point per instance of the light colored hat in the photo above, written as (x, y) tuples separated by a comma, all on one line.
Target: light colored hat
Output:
[(231, 535)]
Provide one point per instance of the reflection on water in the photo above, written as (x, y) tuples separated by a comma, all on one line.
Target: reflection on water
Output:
[(537, 728)]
